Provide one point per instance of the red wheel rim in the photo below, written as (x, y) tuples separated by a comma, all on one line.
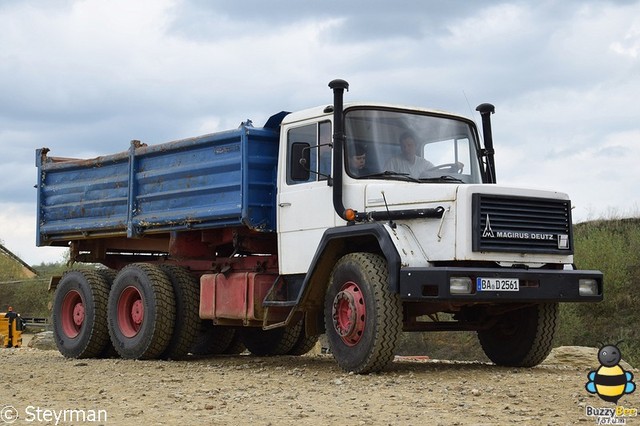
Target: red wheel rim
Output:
[(349, 313), (130, 312), (72, 314)]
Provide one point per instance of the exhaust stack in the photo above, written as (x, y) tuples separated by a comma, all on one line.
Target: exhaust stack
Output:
[(338, 86), (485, 111)]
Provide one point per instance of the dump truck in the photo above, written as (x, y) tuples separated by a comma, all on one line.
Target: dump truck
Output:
[(359, 221)]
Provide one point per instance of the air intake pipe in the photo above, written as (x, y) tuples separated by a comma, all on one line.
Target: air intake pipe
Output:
[(338, 86), (485, 111)]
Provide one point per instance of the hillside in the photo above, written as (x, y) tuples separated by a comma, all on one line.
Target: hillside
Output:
[(613, 247)]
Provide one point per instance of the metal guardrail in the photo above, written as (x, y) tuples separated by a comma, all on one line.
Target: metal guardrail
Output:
[(37, 322)]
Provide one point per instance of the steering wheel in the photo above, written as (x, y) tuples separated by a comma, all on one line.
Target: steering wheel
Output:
[(450, 167)]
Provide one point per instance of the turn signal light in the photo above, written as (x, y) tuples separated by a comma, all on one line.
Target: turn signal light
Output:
[(350, 215)]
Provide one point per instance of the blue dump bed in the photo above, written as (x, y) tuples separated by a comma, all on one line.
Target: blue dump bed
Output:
[(217, 180)]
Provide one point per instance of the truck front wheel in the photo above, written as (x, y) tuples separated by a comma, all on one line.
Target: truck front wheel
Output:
[(80, 314), (521, 338), (141, 312), (363, 319)]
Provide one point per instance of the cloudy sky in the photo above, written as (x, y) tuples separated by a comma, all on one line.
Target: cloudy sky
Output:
[(83, 78)]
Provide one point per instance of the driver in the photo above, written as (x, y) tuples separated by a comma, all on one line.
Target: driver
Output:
[(408, 162)]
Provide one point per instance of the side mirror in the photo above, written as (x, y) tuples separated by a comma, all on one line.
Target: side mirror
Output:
[(300, 161)]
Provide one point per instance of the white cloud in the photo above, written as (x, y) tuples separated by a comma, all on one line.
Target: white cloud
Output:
[(18, 233), (600, 178), (629, 45), (501, 24)]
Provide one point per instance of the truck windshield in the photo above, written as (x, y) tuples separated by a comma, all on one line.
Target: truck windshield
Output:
[(408, 145)]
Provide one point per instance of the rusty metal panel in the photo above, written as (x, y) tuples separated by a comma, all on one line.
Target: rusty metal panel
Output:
[(236, 296)]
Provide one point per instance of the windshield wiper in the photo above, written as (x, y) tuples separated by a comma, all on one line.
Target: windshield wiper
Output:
[(443, 178), (390, 173)]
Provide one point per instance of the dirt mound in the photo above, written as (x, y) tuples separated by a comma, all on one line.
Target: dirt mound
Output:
[(577, 357), (42, 341)]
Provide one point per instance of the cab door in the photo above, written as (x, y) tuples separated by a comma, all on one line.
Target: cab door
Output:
[(305, 206)]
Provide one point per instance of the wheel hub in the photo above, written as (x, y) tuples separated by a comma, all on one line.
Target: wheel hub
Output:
[(78, 314), (137, 312), (349, 313), (130, 312), (72, 314)]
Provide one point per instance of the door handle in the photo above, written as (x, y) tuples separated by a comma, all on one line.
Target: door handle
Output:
[(284, 204)]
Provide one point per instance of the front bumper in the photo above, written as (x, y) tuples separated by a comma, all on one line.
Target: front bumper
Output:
[(422, 284)]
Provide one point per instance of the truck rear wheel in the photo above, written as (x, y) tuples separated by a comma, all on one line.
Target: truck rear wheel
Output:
[(212, 339), (236, 346), (187, 323), (278, 341), (521, 338), (363, 319), (108, 275), (80, 314), (304, 343), (141, 312)]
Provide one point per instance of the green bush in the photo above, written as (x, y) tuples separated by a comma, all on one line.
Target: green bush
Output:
[(613, 247), (29, 298)]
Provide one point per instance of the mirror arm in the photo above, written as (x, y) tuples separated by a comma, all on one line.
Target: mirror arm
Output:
[(302, 162)]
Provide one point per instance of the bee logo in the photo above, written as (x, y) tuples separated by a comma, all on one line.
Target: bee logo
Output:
[(610, 381)]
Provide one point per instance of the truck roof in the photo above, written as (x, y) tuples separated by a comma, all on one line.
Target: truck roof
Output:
[(327, 110)]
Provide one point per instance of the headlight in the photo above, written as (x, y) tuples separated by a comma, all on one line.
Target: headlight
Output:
[(460, 285), (588, 287)]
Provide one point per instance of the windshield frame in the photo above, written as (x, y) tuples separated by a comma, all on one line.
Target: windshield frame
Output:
[(376, 133)]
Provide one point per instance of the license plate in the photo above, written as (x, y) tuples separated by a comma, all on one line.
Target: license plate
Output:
[(497, 284)]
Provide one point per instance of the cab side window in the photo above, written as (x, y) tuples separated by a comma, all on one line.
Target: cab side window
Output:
[(309, 153)]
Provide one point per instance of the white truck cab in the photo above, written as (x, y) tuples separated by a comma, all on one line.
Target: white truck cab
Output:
[(398, 208)]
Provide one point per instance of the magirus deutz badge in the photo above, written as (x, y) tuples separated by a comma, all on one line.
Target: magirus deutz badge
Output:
[(489, 233)]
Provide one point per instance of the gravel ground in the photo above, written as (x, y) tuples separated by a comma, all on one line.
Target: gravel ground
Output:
[(43, 387)]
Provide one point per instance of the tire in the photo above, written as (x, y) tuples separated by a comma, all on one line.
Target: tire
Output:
[(109, 351), (141, 312), (521, 338), (304, 343), (80, 314), (187, 324), (108, 274), (212, 339), (278, 341), (236, 346), (363, 320)]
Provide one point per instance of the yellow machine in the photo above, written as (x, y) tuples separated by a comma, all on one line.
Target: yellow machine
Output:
[(10, 331)]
